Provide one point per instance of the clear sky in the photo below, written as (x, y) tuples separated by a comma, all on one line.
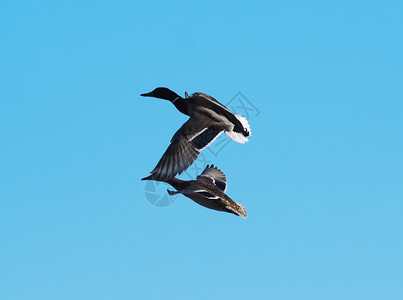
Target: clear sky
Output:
[(321, 177)]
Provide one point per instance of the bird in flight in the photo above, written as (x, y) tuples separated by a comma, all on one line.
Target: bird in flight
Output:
[(208, 190), (208, 119)]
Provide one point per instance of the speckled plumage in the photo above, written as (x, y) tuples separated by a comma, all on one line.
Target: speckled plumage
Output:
[(208, 190)]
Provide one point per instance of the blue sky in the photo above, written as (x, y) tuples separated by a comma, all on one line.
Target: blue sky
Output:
[(321, 177)]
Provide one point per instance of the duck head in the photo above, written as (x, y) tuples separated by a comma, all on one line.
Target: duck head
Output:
[(162, 93)]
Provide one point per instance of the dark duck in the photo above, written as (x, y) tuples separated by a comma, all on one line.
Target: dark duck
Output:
[(208, 190), (208, 119)]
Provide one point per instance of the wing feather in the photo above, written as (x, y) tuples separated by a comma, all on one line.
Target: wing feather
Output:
[(185, 147), (214, 175)]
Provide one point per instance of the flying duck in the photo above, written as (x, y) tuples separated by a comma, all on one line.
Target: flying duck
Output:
[(208, 119), (208, 190)]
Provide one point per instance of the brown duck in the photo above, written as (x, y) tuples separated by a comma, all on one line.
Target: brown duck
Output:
[(208, 190)]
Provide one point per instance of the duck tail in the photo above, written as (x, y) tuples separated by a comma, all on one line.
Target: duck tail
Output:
[(240, 131), (240, 135), (246, 127)]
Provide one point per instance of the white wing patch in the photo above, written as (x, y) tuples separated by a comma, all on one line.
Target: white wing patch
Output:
[(215, 176), (197, 134), (211, 141), (205, 194)]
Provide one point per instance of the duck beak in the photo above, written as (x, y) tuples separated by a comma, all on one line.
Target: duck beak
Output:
[(150, 94)]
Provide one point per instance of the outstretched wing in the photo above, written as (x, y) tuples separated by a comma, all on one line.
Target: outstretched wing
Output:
[(185, 147), (214, 175)]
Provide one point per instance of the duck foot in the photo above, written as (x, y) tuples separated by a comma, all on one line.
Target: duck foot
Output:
[(171, 193)]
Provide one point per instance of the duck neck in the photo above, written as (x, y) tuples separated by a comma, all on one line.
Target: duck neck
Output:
[(181, 105)]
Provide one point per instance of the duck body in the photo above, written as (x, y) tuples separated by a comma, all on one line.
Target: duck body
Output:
[(208, 190), (220, 115), (208, 119)]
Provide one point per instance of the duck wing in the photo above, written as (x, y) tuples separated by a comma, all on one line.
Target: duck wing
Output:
[(185, 147), (241, 128), (215, 176), (209, 98)]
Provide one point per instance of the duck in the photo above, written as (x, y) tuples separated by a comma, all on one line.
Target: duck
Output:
[(208, 120), (208, 190)]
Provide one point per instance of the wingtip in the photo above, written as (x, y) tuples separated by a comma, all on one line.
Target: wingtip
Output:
[(150, 177), (157, 176)]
